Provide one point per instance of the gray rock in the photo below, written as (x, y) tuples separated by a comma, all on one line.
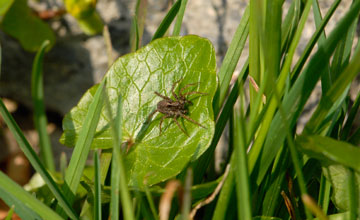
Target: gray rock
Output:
[(78, 61)]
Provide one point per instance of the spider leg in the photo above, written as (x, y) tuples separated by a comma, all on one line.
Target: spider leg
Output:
[(162, 96), (161, 121), (150, 116), (191, 120), (173, 87), (194, 92), (187, 86), (182, 129)]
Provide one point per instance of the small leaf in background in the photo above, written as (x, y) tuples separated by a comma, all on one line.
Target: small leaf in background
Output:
[(338, 175), (136, 77), (4, 6), (335, 157), (330, 151), (84, 11), (22, 24)]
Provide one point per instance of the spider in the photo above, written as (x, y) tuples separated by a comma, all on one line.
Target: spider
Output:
[(176, 108)]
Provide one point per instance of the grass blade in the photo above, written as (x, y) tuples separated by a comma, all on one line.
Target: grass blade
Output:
[(35, 161), (295, 100), (135, 38), (186, 204), (223, 201), (118, 177), (97, 183), (179, 18), (82, 147), (166, 22), (150, 200), (315, 38), (40, 120), (337, 89), (204, 161), (15, 194), (324, 194), (137, 29), (241, 174), (230, 60), (10, 213), (268, 118)]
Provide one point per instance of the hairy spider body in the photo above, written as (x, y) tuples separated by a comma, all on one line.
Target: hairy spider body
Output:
[(175, 108)]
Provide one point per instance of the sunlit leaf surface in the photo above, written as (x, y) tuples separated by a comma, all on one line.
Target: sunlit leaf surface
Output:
[(155, 68)]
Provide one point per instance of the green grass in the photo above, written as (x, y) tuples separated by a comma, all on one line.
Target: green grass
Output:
[(317, 171)]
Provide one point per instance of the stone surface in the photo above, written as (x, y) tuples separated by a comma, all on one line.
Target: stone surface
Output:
[(78, 61)]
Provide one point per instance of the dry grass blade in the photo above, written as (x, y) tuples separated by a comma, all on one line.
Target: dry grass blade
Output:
[(289, 205), (212, 196), (311, 204), (166, 198)]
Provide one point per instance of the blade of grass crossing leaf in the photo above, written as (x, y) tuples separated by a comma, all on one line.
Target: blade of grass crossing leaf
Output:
[(118, 177), (166, 22), (82, 147), (40, 120), (35, 161), (25, 198), (97, 183), (179, 18), (231, 59), (241, 175), (295, 100)]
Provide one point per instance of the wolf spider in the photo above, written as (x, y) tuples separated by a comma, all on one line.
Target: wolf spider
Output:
[(176, 108)]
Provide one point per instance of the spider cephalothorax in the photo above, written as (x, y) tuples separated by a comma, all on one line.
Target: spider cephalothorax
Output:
[(176, 108)]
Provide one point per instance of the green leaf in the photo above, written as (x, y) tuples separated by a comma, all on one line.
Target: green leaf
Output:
[(84, 11), (4, 6), (339, 177), (329, 150), (27, 28), (136, 77)]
